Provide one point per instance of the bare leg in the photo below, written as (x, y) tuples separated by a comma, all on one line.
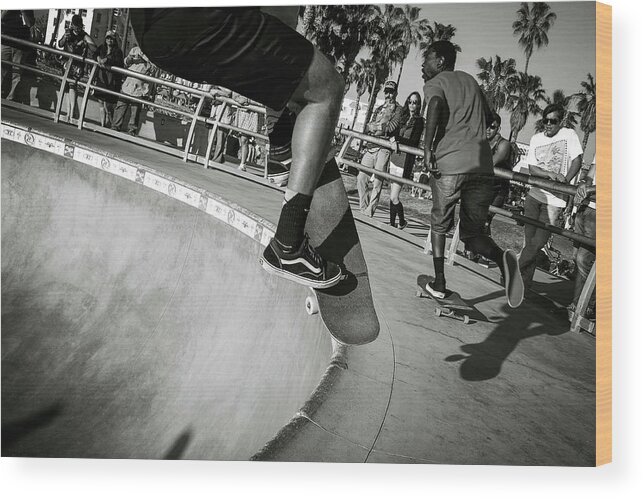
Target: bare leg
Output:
[(320, 96), (243, 146)]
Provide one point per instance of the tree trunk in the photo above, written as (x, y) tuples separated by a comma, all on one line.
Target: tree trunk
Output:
[(527, 64), (585, 139), (399, 75), (357, 108), (371, 102)]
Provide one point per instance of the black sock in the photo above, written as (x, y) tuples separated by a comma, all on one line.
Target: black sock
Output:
[(393, 212), (438, 266), (400, 213), (290, 229)]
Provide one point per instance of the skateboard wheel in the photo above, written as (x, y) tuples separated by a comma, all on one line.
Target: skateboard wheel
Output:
[(465, 319), (438, 312), (312, 306)]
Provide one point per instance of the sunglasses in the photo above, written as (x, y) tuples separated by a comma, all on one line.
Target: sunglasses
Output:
[(416, 102), (550, 121)]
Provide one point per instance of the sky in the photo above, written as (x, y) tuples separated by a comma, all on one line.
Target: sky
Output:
[(484, 30)]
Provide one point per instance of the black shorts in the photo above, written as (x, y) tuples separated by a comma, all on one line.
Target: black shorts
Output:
[(239, 48)]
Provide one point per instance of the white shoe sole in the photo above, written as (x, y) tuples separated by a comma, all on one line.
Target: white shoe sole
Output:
[(514, 286)]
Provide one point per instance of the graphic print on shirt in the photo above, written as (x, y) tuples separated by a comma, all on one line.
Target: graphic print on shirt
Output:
[(552, 157)]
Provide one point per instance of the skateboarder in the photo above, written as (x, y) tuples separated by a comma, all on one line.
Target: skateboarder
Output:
[(260, 57), (455, 140)]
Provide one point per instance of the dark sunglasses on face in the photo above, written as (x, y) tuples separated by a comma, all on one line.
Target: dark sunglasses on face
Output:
[(549, 121), (414, 102)]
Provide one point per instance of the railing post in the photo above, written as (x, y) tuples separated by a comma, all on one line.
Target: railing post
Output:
[(195, 119), (61, 94), (88, 88), (343, 150), (453, 248), (583, 300)]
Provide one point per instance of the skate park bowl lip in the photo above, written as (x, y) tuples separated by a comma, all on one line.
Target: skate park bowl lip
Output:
[(137, 322)]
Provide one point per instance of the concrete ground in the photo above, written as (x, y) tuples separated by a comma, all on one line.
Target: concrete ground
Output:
[(515, 387)]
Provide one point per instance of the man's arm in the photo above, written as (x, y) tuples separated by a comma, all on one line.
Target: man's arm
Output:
[(543, 173), (90, 45), (577, 163), (502, 152), (433, 118)]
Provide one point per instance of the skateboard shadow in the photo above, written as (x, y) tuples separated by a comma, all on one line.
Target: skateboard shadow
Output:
[(483, 361), (12, 432)]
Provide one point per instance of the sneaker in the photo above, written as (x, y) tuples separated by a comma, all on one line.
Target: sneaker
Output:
[(402, 226), (514, 286), (304, 265), (436, 289)]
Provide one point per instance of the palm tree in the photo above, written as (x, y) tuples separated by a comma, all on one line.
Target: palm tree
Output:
[(570, 118), (439, 32), (359, 74), (340, 32), (496, 77), (387, 49), (586, 106), (532, 26), (526, 95), (412, 30)]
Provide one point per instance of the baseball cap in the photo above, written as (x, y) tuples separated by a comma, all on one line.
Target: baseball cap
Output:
[(390, 85), (110, 34)]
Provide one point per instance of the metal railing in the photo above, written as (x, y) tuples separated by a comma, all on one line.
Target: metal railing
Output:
[(218, 98)]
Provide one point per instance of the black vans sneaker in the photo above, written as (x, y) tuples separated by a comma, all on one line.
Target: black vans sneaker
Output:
[(304, 265)]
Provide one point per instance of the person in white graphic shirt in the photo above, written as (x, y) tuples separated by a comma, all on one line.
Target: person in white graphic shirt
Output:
[(554, 154)]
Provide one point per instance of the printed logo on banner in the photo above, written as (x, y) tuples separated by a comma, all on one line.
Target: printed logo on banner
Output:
[(9, 132), (104, 163), (258, 232), (171, 189), (29, 138), (203, 202), (231, 216), (69, 151), (140, 176)]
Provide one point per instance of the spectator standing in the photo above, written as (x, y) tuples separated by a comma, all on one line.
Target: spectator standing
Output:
[(402, 163), (585, 225), (18, 24), (456, 143), (108, 55), (555, 154), (138, 62), (76, 41), (385, 123)]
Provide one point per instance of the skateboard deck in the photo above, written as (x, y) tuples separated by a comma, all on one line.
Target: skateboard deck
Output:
[(347, 308), (452, 305)]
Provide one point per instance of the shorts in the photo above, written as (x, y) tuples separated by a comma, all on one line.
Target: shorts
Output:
[(475, 193), (239, 48), (396, 170)]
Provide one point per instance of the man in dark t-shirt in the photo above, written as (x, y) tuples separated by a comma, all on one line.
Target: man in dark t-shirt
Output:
[(456, 142)]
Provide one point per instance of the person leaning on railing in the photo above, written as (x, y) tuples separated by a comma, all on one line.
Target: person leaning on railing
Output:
[(385, 123), (18, 24), (585, 225), (555, 154), (108, 55), (138, 62), (76, 41)]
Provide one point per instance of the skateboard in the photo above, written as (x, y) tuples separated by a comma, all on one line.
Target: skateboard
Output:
[(452, 305), (346, 309)]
